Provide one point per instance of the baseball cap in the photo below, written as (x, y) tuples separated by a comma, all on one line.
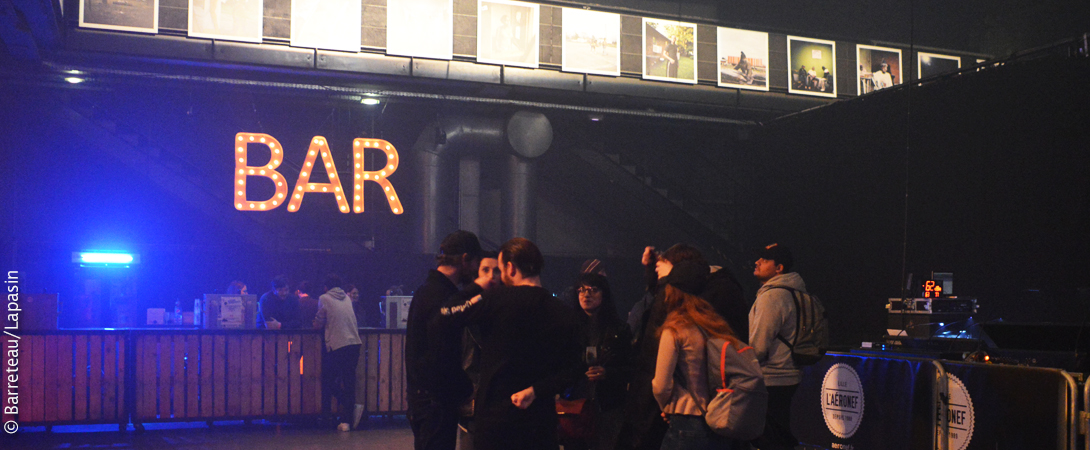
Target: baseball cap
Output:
[(459, 242), (778, 253)]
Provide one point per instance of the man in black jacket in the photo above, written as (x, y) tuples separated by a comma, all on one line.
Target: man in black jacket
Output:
[(529, 352), (437, 385)]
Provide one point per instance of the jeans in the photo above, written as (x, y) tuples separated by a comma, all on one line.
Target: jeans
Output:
[(686, 433), (339, 378)]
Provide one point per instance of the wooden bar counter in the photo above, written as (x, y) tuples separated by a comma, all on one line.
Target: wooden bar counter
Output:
[(87, 376)]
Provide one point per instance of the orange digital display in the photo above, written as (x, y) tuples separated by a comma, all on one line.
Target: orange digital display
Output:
[(932, 289)]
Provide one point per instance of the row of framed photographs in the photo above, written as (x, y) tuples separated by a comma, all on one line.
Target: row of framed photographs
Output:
[(507, 34)]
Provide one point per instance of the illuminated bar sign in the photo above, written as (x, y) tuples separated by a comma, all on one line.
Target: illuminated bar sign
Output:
[(303, 186)]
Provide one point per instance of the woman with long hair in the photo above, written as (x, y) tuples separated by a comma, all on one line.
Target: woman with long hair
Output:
[(607, 355), (681, 376)]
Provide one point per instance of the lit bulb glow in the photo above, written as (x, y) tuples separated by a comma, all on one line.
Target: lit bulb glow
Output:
[(377, 177), (318, 147), (243, 170)]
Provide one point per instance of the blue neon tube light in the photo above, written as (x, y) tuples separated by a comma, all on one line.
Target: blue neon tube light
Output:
[(105, 258)]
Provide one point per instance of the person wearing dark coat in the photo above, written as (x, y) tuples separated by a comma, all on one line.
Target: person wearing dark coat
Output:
[(529, 352), (437, 385), (607, 358), (683, 266)]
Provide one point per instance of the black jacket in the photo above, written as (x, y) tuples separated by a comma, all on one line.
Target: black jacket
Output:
[(613, 343), (527, 339), (433, 353)]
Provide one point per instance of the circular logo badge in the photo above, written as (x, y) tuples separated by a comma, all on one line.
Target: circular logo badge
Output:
[(959, 414), (842, 400)]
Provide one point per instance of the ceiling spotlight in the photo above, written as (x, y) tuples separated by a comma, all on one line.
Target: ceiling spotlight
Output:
[(595, 117), (370, 101), (74, 80)]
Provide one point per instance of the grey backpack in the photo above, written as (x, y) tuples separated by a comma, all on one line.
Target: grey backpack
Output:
[(811, 329), (739, 399)]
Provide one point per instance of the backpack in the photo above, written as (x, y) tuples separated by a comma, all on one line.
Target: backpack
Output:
[(738, 408), (811, 329)]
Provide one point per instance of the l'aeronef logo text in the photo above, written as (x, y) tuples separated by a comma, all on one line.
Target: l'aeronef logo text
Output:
[(842, 400), (959, 414)]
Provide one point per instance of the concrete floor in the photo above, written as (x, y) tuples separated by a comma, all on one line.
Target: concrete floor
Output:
[(374, 433)]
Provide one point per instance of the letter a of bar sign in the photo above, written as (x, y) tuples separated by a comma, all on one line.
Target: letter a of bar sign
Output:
[(318, 147)]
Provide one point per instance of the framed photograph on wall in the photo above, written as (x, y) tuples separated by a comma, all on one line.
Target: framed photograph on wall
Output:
[(811, 65), (507, 33), (877, 68), (669, 51), (931, 64), (327, 24), (743, 58), (233, 20), (141, 16), (592, 42), (421, 28)]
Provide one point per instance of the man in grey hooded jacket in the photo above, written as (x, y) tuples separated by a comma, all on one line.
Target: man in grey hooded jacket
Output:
[(773, 316), (342, 345)]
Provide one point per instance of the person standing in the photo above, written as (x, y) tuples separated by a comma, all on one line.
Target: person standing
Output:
[(680, 384), (529, 352), (342, 345), (437, 385), (607, 356), (772, 318), (488, 273)]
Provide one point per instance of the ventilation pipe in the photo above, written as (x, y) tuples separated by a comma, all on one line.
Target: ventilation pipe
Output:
[(468, 140)]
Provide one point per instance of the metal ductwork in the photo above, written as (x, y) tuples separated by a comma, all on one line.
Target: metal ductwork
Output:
[(478, 144)]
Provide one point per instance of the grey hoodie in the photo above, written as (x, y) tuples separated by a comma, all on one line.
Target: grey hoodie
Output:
[(335, 314), (772, 314)]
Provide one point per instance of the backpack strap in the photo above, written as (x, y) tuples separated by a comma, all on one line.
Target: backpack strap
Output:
[(798, 315)]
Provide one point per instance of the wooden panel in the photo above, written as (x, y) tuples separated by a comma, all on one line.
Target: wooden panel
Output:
[(38, 377), (219, 394), (94, 381), (81, 378), (207, 382), (122, 369), (244, 374), (294, 376), (397, 377), (192, 375), (109, 377), (64, 377), (50, 367), (268, 408), (372, 372), (281, 374), (177, 377), (166, 358), (312, 400), (384, 373), (361, 373), (256, 393), (140, 380), (233, 375)]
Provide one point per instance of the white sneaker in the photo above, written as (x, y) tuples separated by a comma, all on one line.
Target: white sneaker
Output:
[(357, 414), (343, 427)]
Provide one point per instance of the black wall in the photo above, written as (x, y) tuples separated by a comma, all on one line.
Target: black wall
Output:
[(995, 167)]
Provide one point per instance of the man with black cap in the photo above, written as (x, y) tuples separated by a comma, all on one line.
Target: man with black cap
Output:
[(772, 322), (437, 385)]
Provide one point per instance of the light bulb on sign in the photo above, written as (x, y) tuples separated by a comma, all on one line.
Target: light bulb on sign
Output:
[(243, 171), (318, 148), (379, 176)]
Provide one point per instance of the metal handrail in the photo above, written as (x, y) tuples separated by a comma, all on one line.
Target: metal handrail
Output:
[(1072, 410)]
